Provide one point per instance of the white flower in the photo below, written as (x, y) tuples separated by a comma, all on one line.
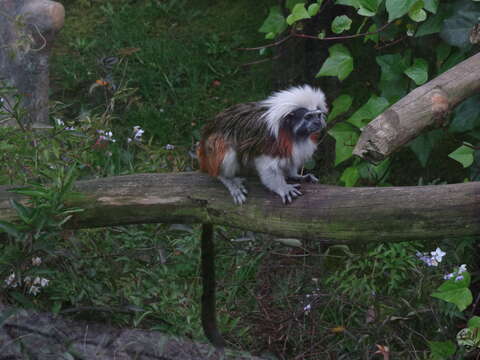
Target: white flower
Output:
[(27, 280), (59, 122), (11, 280), (34, 290), (462, 268), (44, 282), (169, 147), (36, 261), (438, 254), (137, 133), (307, 308)]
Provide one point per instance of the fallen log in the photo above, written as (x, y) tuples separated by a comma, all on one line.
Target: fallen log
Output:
[(327, 214)]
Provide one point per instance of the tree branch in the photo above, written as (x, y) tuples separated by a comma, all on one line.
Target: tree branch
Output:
[(325, 213), (423, 107)]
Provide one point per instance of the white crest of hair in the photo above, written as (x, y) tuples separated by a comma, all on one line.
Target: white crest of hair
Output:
[(281, 103)]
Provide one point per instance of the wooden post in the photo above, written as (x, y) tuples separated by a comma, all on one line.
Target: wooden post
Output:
[(27, 30)]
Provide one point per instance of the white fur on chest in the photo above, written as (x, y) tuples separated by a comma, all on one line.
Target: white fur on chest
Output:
[(302, 152)]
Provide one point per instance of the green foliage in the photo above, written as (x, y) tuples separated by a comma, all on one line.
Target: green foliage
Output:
[(441, 350), (456, 292), (339, 63), (346, 137), (464, 155), (341, 23)]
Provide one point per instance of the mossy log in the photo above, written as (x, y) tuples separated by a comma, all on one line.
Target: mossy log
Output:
[(328, 214)]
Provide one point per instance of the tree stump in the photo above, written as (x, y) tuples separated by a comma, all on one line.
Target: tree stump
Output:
[(27, 31)]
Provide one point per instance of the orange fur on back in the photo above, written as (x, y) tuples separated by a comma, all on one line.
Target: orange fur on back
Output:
[(210, 154)]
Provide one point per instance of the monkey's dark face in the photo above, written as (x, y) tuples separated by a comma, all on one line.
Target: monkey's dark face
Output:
[(303, 122)]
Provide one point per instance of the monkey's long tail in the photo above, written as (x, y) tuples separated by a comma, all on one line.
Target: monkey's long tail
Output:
[(208, 313)]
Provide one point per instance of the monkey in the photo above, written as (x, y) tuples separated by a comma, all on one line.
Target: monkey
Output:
[(274, 137)]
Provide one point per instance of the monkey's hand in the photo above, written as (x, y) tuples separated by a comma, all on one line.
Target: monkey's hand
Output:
[(304, 178), (236, 188), (288, 192)]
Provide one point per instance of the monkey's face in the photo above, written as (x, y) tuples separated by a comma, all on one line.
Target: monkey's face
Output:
[(303, 122)]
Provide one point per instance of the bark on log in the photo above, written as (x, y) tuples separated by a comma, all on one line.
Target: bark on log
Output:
[(325, 213), (27, 31), (26, 334), (425, 106)]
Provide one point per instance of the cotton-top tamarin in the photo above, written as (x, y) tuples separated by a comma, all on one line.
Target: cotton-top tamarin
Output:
[(274, 136)]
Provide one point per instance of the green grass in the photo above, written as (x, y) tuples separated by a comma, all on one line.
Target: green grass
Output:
[(186, 68)]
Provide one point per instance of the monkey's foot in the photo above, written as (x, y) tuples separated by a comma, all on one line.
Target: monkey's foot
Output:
[(305, 178), (236, 188), (289, 192)]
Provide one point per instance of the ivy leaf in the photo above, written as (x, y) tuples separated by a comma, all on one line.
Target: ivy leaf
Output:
[(313, 9), (441, 350), (372, 37), (456, 29), (456, 292), (423, 145), (350, 176), (418, 72), (368, 7), (340, 105), (416, 12), (346, 137), (466, 116), (474, 322), (352, 3), (442, 51), (431, 5), (373, 107), (396, 9), (393, 82), (433, 24), (464, 155), (339, 63), (299, 12), (274, 24), (291, 3), (341, 24)]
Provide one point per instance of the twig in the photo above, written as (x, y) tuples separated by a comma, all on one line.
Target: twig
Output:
[(381, 28), (276, 43)]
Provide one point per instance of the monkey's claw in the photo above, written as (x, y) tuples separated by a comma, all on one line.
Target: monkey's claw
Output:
[(289, 192)]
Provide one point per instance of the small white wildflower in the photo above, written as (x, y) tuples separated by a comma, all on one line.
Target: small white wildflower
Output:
[(137, 133), (27, 280), (59, 122), (462, 268), (37, 281), (161, 110), (1, 100), (169, 147), (34, 290), (36, 261), (438, 254), (307, 308), (129, 140), (10, 281), (448, 276), (44, 282)]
